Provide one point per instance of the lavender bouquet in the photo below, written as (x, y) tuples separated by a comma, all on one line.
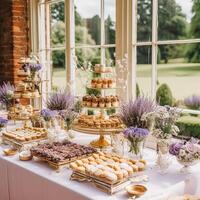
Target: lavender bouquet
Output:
[(136, 137), (61, 101), (3, 123), (7, 94), (47, 114), (192, 102), (132, 112)]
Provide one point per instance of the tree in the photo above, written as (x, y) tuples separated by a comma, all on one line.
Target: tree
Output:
[(193, 51), (171, 25)]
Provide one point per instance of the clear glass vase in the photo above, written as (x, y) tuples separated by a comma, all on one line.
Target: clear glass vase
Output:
[(136, 149), (163, 158)]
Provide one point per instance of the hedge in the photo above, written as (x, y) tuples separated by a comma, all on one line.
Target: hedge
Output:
[(189, 126)]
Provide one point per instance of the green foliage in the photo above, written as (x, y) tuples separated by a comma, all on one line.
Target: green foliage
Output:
[(193, 53), (111, 111), (189, 126), (137, 90), (91, 91), (164, 95)]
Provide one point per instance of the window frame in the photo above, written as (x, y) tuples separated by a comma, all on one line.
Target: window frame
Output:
[(154, 43)]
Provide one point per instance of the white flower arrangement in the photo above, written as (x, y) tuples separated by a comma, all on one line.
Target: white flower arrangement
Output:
[(164, 119)]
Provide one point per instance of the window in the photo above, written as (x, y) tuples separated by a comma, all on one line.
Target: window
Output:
[(167, 47), (90, 40), (94, 36)]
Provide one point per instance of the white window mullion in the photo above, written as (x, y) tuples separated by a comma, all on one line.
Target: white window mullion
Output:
[(154, 47), (132, 50), (103, 55), (70, 44)]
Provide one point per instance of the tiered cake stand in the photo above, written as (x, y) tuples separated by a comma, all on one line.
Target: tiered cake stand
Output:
[(101, 142)]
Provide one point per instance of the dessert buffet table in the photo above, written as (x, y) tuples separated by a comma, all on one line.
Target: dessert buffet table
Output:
[(31, 180)]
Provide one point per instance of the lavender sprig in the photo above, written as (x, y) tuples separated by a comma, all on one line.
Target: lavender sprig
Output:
[(61, 101), (135, 133), (192, 102), (7, 93), (3, 122), (48, 114), (132, 112)]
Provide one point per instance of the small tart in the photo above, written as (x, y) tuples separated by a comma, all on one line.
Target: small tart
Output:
[(10, 152), (25, 156)]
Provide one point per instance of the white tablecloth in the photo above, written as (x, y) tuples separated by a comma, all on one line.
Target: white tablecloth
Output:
[(35, 180)]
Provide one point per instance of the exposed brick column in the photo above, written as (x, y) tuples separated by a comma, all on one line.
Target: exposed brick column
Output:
[(14, 37)]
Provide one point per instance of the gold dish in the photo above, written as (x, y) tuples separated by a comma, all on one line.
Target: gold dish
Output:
[(136, 190), (10, 152)]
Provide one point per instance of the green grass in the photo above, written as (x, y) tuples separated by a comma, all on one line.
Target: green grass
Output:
[(169, 70)]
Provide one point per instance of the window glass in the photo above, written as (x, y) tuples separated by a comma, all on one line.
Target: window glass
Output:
[(87, 22), (179, 70), (57, 25), (178, 19), (143, 71), (110, 21), (144, 20), (58, 70)]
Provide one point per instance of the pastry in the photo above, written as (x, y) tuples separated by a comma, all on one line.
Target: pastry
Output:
[(65, 151), (99, 83), (93, 83), (105, 83), (25, 156), (108, 102), (101, 102), (110, 83), (106, 167), (97, 68), (94, 102)]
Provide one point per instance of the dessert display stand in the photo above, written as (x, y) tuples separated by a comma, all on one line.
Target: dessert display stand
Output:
[(101, 142)]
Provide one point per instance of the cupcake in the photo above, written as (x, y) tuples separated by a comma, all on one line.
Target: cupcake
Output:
[(97, 68), (102, 68), (105, 83), (101, 102), (115, 102), (93, 83), (89, 101), (99, 83), (94, 102), (110, 83), (108, 102), (84, 101)]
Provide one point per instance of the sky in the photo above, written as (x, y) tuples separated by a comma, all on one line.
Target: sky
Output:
[(186, 6), (92, 7)]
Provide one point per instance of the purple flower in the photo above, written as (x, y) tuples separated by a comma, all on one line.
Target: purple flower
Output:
[(131, 112), (6, 93), (192, 102), (48, 114), (35, 67), (61, 101), (134, 132), (3, 122), (175, 148)]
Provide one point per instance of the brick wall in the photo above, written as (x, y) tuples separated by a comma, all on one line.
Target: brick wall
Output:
[(13, 37)]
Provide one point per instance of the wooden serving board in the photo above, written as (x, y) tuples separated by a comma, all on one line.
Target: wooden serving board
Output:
[(20, 144), (59, 165), (100, 183)]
